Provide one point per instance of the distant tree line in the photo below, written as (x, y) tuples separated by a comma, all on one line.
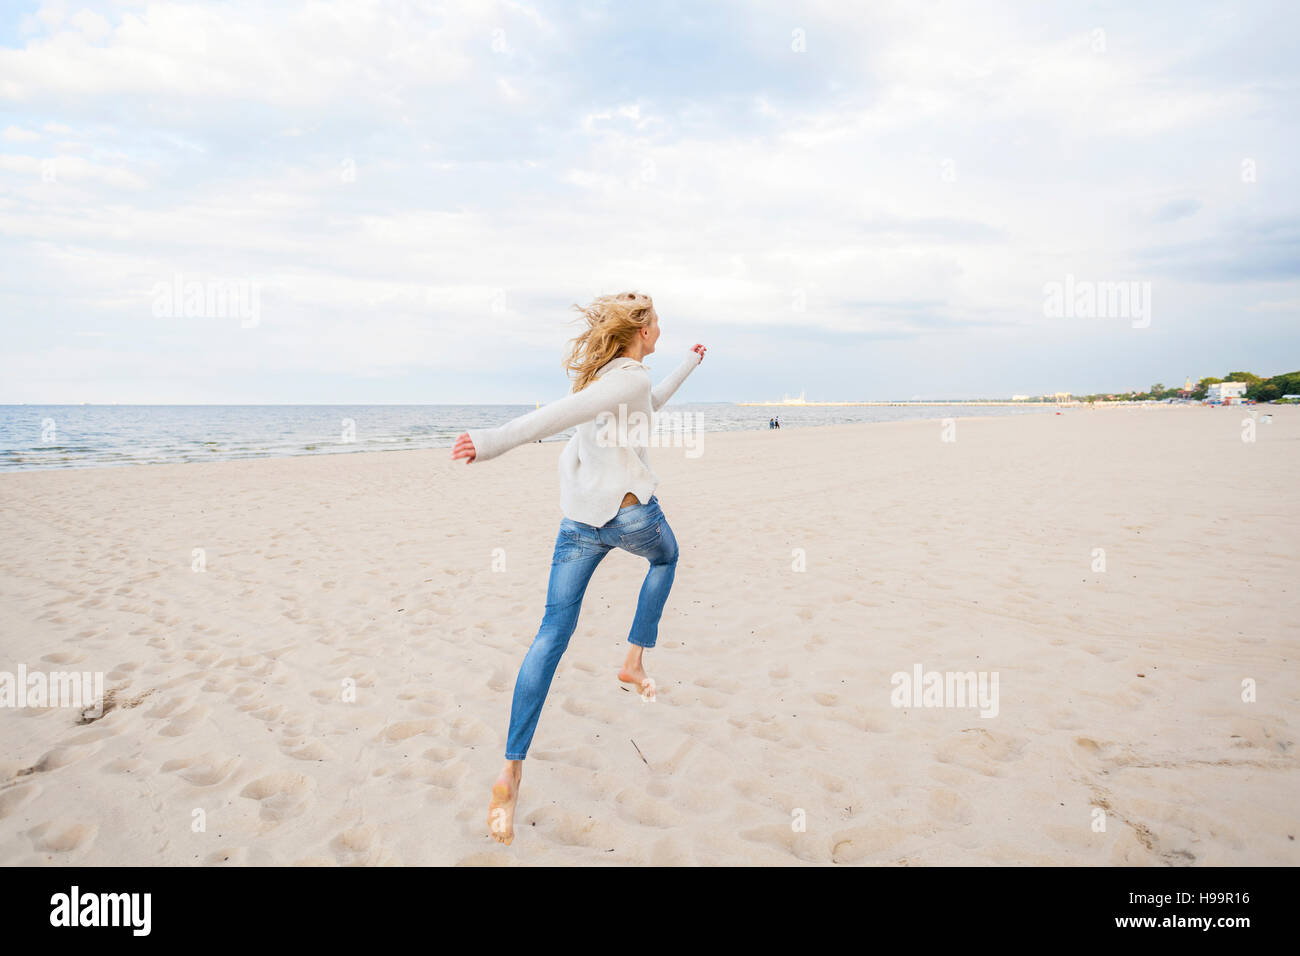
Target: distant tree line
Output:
[(1258, 389)]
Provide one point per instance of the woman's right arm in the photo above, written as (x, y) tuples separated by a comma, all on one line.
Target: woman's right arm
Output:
[(605, 394)]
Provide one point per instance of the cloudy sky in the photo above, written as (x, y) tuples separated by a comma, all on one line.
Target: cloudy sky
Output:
[(856, 200)]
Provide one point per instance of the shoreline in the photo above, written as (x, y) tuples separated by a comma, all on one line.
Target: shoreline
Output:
[(44, 469)]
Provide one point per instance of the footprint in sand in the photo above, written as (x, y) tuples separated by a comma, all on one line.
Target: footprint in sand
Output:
[(470, 731), (310, 750), (63, 657), (62, 836), (981, 750), (360, 846), (281, 795), (58, 757), (585, 707), (185, 721), (206, 770), (864, 843), (15, 797), (636, 807), (403, 729), (779, 836)]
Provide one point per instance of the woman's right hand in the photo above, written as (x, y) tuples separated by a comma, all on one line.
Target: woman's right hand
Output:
[(464, 448)]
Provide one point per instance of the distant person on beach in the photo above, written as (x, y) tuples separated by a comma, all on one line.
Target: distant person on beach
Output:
[(607, 497), (771, 423), (778, 423)]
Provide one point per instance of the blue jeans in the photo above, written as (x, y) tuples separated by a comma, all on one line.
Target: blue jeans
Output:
[(641, 529)]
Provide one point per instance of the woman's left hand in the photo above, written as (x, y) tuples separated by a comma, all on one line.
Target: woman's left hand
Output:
[(464, 448), (700, 349)]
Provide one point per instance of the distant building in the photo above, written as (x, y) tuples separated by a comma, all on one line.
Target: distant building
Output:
[(1187, 389), (1059, 396), (1020, 398), (1220, 391)]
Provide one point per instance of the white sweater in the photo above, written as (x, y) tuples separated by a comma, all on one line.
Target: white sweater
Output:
[(594, 474)]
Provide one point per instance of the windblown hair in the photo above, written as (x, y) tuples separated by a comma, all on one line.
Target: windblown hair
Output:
[(613, 322)]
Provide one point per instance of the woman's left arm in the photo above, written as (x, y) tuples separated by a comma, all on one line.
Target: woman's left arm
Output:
[(660, 394)]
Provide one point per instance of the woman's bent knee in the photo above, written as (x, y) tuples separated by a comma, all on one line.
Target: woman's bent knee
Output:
[(553, 636)]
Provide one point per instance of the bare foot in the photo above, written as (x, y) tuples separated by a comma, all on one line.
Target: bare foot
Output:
[(505, 792), (635, 675)]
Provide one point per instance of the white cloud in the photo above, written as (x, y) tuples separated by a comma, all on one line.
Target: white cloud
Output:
[(305, 58), (16, 134), (71, 169)]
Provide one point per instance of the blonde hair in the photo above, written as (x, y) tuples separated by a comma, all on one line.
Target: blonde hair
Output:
[(613, 322)]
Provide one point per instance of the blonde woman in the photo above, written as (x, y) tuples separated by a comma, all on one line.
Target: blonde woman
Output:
[(607, 498)]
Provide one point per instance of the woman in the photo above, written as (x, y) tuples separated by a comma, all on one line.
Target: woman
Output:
[(607, 497)]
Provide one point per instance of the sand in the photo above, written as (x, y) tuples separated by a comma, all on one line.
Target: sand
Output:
[(773, 739)]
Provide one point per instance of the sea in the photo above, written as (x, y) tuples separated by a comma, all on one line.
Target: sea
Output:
[(99, 436)]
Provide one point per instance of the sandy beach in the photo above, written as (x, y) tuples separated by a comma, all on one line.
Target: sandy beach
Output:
[(328, 679)]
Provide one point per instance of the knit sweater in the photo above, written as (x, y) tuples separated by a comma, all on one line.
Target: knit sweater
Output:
[(595, 471)]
